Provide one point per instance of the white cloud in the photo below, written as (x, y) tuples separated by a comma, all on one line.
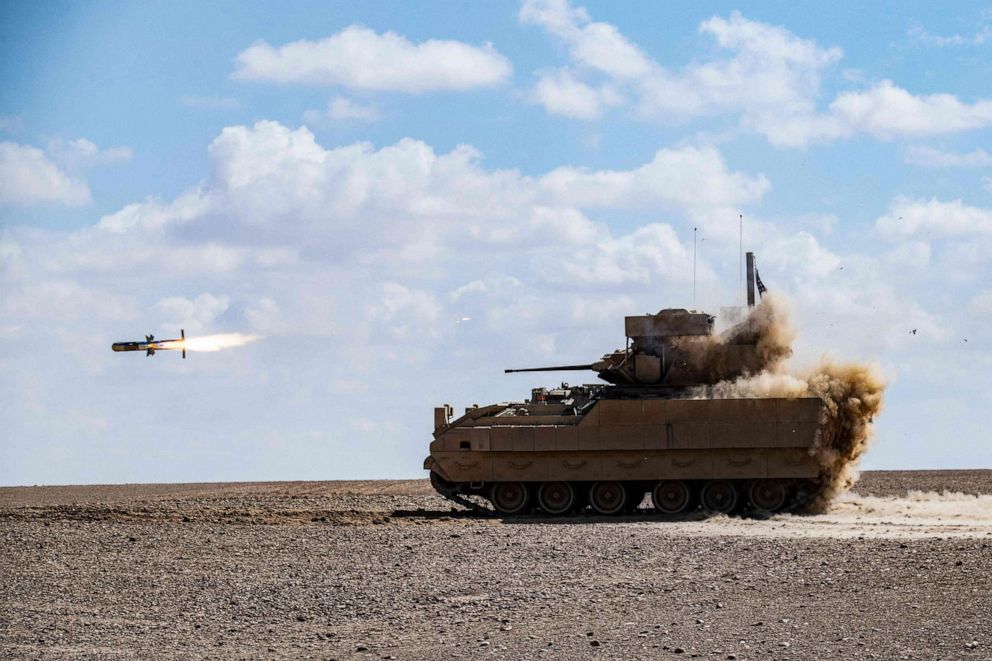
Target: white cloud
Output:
[(908, 256), (691, 179), (314, 233), (62, 299), (886, 110), (935, 158), (800, 254), (82, 153), (651, 254), (11, 124), (562, 94), (152, 215), (493, 284), (770, 78), (360, 58), (406, 314), (982, 303), (342, 109), (276, 179), (769, 70), (599, 46), (907, 217), (193, 315), (359, 263), (28, 176), (266, 316), (983, 35)]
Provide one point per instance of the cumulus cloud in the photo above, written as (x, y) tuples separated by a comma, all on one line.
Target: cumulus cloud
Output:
[(983, 35), (60, 298), (11, 124), (600, 46), (28, 176), (407, 199), (407, 313), (289, 237), (935, 158), (83, 153), (342, 109), (687, 178), (359, 263), (651, 253), (562, 94), (195, 314), (886, 110), (386, 249), (770, 69), (908, 217), (359, 58), (982, 303), (770, 78)]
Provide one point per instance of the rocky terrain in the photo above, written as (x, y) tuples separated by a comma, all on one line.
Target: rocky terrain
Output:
[(902, 568)]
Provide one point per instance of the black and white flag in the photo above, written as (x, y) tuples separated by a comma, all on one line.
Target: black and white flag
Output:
[(761, 286)]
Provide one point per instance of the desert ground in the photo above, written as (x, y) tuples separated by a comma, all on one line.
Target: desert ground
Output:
[(900, 568)]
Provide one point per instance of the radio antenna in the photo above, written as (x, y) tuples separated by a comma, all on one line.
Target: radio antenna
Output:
[(694, 268), (740, 255)]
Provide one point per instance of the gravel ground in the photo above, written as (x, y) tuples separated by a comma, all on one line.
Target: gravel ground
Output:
[(386, 570)]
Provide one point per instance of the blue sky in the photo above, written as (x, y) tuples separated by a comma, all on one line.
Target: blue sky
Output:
[(402, 199)]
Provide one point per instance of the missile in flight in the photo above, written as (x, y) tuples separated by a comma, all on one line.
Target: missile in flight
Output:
[(151, 345)]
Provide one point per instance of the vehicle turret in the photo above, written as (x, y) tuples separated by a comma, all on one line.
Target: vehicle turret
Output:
[(670, 348)]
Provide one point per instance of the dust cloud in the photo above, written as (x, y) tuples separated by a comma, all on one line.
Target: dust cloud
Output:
[(850, 515), (851, 393), (762, 341)]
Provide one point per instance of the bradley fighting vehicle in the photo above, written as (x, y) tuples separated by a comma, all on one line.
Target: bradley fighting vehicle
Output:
[(605, 446)]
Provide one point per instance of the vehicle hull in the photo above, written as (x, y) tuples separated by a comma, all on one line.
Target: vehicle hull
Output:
[(629, 440)]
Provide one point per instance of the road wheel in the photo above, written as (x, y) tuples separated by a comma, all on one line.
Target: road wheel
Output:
[(556, 497), (671, 496), (719, 496), (607, 497), (509, 497), (767, 495)]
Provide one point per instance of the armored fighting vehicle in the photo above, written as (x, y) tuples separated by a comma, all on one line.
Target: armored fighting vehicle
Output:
[(647, 430)]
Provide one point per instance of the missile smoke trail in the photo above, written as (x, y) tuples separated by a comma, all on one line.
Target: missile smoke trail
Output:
[(851, 393)]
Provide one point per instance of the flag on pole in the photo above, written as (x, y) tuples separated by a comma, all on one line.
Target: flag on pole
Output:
[(761, 286)]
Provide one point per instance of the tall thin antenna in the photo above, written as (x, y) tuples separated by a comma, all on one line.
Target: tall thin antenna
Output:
[(740, 266), (694, 268)]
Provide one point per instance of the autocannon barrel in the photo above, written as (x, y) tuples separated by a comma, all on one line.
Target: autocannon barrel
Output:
[(556, 368)]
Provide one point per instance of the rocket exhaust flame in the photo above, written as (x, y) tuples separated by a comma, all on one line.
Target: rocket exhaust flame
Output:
[(851, 393), (219, 342)]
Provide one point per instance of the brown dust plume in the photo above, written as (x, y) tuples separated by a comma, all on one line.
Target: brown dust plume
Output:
[(851, 393)]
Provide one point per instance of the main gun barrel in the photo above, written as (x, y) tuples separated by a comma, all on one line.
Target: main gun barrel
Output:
[(556, 368)]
